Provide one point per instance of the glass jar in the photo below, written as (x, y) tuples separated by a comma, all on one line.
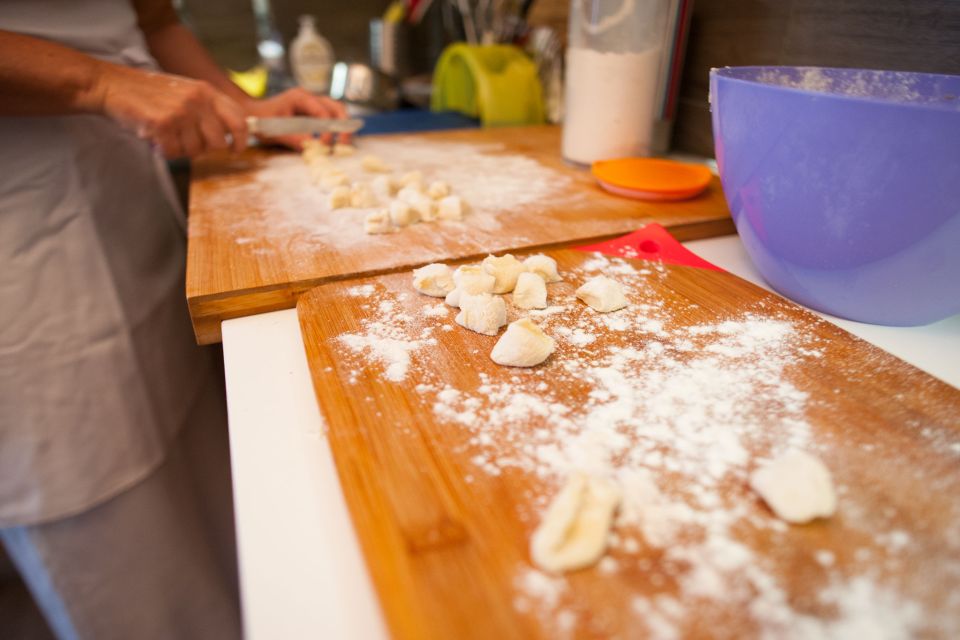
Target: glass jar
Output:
[(615, 57)]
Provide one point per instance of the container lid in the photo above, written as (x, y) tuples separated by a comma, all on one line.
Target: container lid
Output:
[(651, 178)]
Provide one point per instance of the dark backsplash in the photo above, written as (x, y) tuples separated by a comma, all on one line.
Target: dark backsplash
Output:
[(922, 35)]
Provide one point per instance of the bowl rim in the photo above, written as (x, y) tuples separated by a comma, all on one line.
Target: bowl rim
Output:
[(727, 75)]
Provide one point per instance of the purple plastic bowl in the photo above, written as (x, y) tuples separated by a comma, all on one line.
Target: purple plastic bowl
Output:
[(844, 185)]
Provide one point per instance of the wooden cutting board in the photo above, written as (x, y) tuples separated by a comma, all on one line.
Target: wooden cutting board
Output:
[(260, 233), (447, 461)]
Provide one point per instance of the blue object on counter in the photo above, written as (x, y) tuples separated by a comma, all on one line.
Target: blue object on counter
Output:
[(844, 185), (410, 120)]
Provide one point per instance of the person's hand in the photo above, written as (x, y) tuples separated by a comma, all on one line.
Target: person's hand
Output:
[(180, 116), (297, 102)]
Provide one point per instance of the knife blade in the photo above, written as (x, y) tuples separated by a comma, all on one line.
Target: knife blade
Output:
[(301, 125)]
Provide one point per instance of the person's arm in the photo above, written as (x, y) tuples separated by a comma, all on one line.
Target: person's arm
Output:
[(177, 50), (181, 116)]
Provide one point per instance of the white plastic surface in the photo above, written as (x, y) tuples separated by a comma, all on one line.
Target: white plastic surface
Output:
[(301, 570)]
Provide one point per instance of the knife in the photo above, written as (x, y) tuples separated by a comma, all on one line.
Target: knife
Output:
[(300, 125)]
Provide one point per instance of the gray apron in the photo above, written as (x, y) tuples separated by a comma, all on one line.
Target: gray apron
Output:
[(98, 366)]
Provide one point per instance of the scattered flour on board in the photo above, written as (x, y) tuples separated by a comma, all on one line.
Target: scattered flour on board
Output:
[(293, 212), (678, 414)]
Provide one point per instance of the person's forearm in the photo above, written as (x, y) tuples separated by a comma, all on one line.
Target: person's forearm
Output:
[(178, 51), (38, 78)]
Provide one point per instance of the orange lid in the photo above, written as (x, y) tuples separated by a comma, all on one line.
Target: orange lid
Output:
[(652, 178)]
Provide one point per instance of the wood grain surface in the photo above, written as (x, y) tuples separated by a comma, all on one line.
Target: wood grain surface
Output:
[(250, 253), (444, 504)]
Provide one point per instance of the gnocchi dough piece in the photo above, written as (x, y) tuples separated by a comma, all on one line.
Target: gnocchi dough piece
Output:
[(797, 487), (482, 313), (433, 280), (438, 189), (602, 294), (424, 208), (505, 269), (374, 164), (361, 196), (543, 266), (314, 149), (339, 197), (530, 292), (450, 208), (408, 193), (418, 201), (342, 150), (576, 526), (453, 298), (412, 179), (402, 214), (523, 344), (384, 186), (333, 179), (378, 222), (474, 279), (470, 279)]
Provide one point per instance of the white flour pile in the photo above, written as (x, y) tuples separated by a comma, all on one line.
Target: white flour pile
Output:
[(493, 184), (679, 416), (610, 104)]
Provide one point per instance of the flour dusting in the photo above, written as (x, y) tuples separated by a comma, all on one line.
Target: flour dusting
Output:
[(678, 413), (289, 211)]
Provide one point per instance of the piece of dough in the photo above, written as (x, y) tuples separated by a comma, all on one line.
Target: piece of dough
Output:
[(374, 164), (333, 179), (410, 193), (424, 207), (576, 527), (402, 214), (412, 179), (378, 222), (482, 313), (450, 208), (474, 279), (530, 292), (505, 269), (438, 189), (361, 196), (342, 150), (453, 298), (339, 197), (523, 344), (603, 294), (433, 280), (384, 186), (797, 487), (314, 149), (543, 266), (471, 279)]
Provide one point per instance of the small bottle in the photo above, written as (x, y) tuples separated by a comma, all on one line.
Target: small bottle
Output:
[(311, 57)]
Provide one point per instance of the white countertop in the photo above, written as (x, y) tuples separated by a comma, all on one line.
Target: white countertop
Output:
[(301, 569)]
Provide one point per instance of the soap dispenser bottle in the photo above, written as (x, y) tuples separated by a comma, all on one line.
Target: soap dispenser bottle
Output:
[(311, 57)]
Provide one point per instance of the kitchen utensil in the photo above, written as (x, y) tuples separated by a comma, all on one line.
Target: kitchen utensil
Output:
[(300, 125), (253, 248), (652, 178), (435, 464), (362, 85), (845, 184), (497, 83)]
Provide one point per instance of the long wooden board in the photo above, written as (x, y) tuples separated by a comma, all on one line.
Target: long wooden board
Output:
[(447, 461), (260, 233)]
